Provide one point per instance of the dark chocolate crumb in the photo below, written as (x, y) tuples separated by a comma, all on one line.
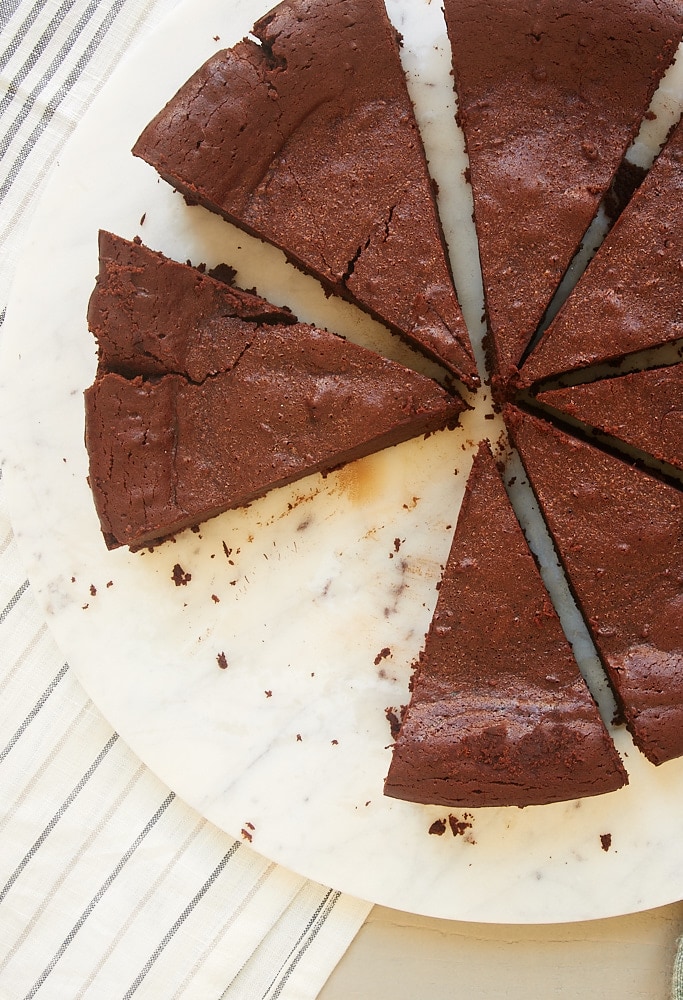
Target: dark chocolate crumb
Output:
[(606, 841), (93, 590), (397, 544), (222, 661), (246, 835), (250, 825), (459, 826), (394, 719), (180, 577), (438, 827), (298, 737), (382, 655), (268, 694), (335, 743), (110, 583), (489, 416), (215, 599), (142, 218)]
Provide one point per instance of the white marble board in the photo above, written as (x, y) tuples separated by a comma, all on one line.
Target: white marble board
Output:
[(303, 590)]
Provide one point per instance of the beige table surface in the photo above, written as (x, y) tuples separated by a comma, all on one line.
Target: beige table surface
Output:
[(397, 956)]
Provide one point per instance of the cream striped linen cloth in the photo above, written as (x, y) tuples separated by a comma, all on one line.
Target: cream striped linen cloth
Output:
[(110, 886)]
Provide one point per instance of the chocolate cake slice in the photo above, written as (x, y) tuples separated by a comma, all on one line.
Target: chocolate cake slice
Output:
[(644, 409), (306, 137), (214, 409), (499, 714), (631, 296), (619, 534), (550, 95)]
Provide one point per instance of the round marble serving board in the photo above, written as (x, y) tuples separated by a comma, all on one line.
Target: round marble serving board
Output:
[(319, 595)]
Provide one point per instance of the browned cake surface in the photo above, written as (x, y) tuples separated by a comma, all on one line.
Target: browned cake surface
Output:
[(619, 535), (644, 409), (499, 714), (167, 451), (309, 140), (631, 296), (550, 94)]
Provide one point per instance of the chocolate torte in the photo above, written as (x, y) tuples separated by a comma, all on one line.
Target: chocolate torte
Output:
[(549, 97), (499, 714), (306, 137), (619, 535), (151, 316), (631, 296), (643, 408), (265, 404)]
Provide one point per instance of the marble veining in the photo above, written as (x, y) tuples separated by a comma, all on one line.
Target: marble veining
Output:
[(250, 663)]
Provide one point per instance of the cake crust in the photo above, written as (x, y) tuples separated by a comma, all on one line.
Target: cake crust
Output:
[(619, 535), (280, 401), (643, 409), (631, 295), (549, 97), (308, 139), (499, 714)]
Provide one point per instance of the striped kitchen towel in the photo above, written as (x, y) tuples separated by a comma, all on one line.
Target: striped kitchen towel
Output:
[(110, 886)]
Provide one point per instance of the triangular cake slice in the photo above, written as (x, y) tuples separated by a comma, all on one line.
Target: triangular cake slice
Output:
[(244, 406), (630, 297), (306, 137), (550, 94), (499, 713), (619, 534), (644, 409)]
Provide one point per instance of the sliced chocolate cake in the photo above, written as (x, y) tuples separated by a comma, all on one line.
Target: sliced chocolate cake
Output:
[(631, 296), (619, 535), (305, 136), (244, 406), (643, 408), (550, 95), (499, 714)]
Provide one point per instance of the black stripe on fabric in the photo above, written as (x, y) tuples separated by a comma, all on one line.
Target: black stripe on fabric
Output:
[(310, 931), (56, 63), (20, 34), (34, 711), (7, 11), (222, 864), (123, 861), (54, 102), (57, 816), (13, 601)]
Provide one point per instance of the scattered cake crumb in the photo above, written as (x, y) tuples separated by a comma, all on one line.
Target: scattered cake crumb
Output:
[(246, 835), (606, 841), (334, 743), (93, 590), (268, 694), (382, 655), (215, 599), (298, 737), (180, 577), (110, 583), (222, 661), (438, 827), (142, 218), (394, 716), (460, 826)]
